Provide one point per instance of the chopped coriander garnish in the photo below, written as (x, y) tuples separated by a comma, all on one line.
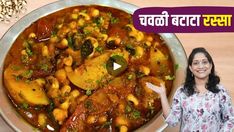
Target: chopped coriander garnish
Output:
[(86, 32), (88, 104), (17, 78), (88, 92), (98, 21), (140, 74), (114, 20), (24, 105), (136, 114), (109, 14), (128, 109), (15, 67), (104, 65), (130, 49), (50, 107), (70, 42), (27, 74), (99, 49), (130, 76), (29, 51), (24, 58), (44, 67)]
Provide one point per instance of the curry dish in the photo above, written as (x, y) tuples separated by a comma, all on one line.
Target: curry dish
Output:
[(59, 72)]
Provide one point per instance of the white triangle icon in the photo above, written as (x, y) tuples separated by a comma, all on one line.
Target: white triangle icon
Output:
[(116, 66)]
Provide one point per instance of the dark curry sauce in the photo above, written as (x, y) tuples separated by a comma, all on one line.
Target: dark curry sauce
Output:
[(57, 76)]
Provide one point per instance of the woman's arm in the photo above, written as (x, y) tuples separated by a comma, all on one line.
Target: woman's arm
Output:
[(227, 112), (172, 115), (164, 101)]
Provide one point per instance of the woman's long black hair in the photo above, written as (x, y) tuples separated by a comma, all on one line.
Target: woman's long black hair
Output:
[(190, 81)]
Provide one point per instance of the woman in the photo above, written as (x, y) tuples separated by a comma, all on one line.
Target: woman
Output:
[(201, 104)]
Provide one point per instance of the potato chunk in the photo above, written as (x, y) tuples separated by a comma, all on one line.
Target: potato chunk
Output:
[(90, 73), (24, 92), (158, 61)]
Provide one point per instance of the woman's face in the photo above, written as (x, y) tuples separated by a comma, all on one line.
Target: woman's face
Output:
[(200, 67)]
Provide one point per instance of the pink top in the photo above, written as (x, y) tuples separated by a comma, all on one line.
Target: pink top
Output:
[(208, 112)]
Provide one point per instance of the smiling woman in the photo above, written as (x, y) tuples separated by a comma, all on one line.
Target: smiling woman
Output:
[(57, 76), (201, 104)]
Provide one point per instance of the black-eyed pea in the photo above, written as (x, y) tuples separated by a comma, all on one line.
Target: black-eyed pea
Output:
[(133, 99), (133, 34), (53, 82), (139, 52), (60, 63), (59, 26), (80, 22), (96, 29), (60, 115), (148, 43), (23, 52), (93, 41), (75, 93), (88, 29), (144, 69), (139, 36), (74, 31), (131, 27), (68, 60), (54, 39), (103, 37), (65, 90), (65, 105), (156, 44), (94, 12), (73, 25), (32, 35), (61, 75), (53, 93), (84, 15), (113, 97), (151, 103), (102, 119), (42, 119), (63, 31), (45, 51), (91, 119), (74, 16), (123, 128), (117, 40), (66, 81), (64, 43)]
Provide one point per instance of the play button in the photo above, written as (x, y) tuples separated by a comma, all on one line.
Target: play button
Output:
[(116, 65)]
